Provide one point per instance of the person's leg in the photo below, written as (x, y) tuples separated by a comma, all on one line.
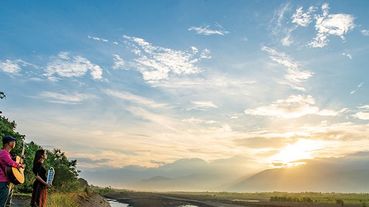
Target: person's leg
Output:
[(10, 197), (35, 195), (4, 192), (43, 197)]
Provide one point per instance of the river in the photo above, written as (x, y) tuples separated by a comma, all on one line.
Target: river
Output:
[(114, 203)]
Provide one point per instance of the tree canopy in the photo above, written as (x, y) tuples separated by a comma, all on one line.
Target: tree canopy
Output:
[(66, 173)]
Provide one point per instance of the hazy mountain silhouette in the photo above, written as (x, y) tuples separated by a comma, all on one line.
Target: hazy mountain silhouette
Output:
[(183, 174), (345, 174)]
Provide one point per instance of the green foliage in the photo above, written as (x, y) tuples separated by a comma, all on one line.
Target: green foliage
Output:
[(291, 199), (2, 95), (340, 202), (66, 173), (102, 190)]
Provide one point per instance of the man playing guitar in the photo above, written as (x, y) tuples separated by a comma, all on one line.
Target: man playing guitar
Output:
[(6, 161)]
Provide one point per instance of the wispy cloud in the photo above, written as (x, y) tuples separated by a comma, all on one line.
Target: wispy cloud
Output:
[(357, 88), (193, 120), (295, 76), (13, 66), (279, 17), (130, 97), (365, 32), (294, 106), (68, 66), (213, 82), (331, 24), (65, 98), (287, 40), (158, 119), (203, 105), (97, 38), (157, 63), (348, 55), (302, 18), (363, 113), (207, 31), (118, 62)]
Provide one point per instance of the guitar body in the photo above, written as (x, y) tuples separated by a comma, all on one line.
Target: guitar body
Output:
[(15, 175)]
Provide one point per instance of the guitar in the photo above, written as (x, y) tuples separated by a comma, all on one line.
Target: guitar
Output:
[(15, 175)]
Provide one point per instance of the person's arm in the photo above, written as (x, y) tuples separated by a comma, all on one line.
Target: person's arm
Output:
[(9, 162), (41, 180)]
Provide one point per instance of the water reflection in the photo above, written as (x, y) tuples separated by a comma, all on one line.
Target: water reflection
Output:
[(187, 206), (114, 203)]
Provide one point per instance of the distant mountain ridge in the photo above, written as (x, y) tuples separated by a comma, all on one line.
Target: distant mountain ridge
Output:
[(345, 174)]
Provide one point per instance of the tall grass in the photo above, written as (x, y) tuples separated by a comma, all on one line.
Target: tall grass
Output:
[(65, 199)]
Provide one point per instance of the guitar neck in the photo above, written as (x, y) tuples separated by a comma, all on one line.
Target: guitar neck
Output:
[(23, 149)]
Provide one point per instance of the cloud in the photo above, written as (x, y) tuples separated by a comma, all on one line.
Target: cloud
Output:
[(65, 98), (193, 120), (157, 63), (214, 82), (68, 66), (302, 18), (13, 66), (331, 24), (118, 62), (203, 105), (287, 40), (365, 32), (207, 31), (277, 25), (357, 88), (295, 76), (10, 66), (363, 114), (97, 38), (264, 142), (159, 119), (130, 97), (278, 17), (340, 138), (294, 106), (348, 55)]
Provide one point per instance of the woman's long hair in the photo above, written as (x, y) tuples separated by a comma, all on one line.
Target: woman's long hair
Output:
[(38, 156)]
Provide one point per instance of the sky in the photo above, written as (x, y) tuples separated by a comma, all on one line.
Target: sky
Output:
[(147, 83)]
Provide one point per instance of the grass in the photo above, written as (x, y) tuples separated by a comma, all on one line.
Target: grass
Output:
[(65, 199), (317, 197)]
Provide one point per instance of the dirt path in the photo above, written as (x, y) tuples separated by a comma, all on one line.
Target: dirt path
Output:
[(21, 201)]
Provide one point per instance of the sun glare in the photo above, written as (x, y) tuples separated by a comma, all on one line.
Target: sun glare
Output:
[(293, 153)]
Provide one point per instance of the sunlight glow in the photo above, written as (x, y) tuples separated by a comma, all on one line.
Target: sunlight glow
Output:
[(294, 154)]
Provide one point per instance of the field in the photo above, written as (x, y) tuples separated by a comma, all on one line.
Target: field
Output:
[(206, 199)]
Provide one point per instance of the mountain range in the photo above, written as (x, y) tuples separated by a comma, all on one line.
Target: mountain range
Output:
[(343, 174)]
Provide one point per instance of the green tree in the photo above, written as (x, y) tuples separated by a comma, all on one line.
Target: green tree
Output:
[(66, 173), (2, 95)]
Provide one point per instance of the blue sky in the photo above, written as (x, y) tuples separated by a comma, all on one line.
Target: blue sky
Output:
[(147, 82)]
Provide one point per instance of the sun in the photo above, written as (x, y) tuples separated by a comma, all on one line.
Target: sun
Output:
[(300, 150)]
